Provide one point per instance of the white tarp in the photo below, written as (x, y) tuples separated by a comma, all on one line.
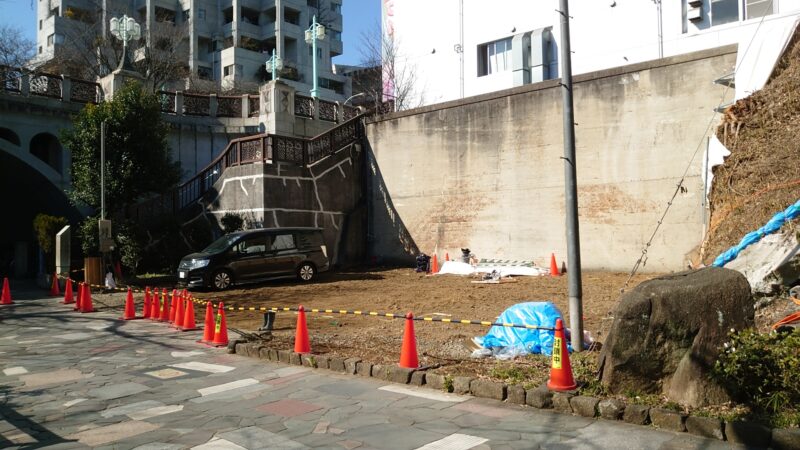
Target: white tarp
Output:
[(759, 51), (717, 152), (460, 268)]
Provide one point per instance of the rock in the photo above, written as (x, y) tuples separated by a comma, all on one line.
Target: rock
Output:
[(435, 381), (273, 354), (241, 348), (667, 333), (364, 369), (611, 408), (295, 359), (323, 362), (461, 385), (748, 433), (263, 353), (399, 374), (667, 419), (786, 438), (540, 397), (380, 371), (336, 364), (561, 402), (309, 361), (488, 389), (584, 406), (705, 426), (350, 365), (418, 378), (516, 394), (636, 414), (284, 356)]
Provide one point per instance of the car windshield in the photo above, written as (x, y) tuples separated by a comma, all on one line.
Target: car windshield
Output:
[(221, 244)]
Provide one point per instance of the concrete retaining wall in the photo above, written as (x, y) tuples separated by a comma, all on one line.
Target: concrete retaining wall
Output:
[(486, 172)]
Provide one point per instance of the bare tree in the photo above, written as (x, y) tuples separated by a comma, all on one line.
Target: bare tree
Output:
[(15, 50), (396, 74)]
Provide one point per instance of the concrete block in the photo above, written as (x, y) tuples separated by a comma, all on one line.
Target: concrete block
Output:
[(539, 397), (584, 405), (323, 362), (364, 369), (488, 389), (705, 426), (636, 414), (461, 385), (336, 364), (561, 402), (309, 361), (350, 365), (379, 371), (748, 433), (418, 378), (273, 354), (263, 353), (667, 419), (285, 356), (435, 381), (516, 394), (611, 408), (786, 438), (295, 359), (241, 348), (399, 374)]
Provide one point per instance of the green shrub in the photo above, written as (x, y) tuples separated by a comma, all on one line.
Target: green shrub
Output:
[(762, 369), (232, 222), (89, 235), (46, 227)]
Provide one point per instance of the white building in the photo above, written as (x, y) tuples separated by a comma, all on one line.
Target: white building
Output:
[(460, 48), (228, 40)]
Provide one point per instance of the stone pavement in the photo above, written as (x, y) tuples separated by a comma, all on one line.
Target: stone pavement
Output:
[(74, 380)]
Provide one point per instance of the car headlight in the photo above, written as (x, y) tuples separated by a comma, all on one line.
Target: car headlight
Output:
[(197, 263)]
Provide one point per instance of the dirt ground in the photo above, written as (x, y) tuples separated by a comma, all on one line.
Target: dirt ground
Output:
[(378, 339)]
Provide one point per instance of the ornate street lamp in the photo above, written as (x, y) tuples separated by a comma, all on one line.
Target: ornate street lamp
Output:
[(314, 33), (274, 65), (125, 29)]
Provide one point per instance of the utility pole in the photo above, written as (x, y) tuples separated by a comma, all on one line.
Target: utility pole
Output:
[(102, 170), (571, 188)]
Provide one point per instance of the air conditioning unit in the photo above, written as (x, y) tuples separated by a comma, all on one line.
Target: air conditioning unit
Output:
[(695, 14), (696, 3)]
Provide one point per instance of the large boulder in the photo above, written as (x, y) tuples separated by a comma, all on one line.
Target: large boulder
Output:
[(667, 333)]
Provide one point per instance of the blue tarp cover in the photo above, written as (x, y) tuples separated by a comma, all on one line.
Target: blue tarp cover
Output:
[(751, 238), (524, 340)]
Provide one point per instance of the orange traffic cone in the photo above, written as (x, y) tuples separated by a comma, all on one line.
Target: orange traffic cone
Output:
[(130, 307), (163, 315), (446, 256), (301, 344), (208, 326), (80, 298), (553, 266), (560, 370), (54, 287), (146, 307), (434, 265), (86, 301), (179, 312), (5, 297), (563, 267), (173, 306), (220, 329), (408, 351), (188, 320), (68, 296)]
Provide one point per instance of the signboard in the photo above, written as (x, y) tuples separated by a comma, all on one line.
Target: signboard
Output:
[(106, 240)]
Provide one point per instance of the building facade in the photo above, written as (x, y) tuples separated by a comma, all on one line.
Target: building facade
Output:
[(470, 47), (226, 41)]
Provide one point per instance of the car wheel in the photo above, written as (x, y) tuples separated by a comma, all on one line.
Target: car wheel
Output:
[(221, 280), (306, 272)]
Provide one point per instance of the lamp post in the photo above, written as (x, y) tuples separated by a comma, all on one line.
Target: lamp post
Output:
[(352, 97), (274, 65), (314, 33), (125, 29)]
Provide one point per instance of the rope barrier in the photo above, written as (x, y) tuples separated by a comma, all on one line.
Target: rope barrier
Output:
[(264, 309)]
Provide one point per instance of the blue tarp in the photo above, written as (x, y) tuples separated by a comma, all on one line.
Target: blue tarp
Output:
[(524, 340), (770, 227)]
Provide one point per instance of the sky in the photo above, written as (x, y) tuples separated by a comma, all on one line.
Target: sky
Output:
[(358, 15)]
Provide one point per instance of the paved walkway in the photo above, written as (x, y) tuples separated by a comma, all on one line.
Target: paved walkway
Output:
[(88, 380)]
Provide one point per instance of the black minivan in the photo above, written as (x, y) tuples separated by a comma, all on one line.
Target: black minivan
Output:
[(253, 255)]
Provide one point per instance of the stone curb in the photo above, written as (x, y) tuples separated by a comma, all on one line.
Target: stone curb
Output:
[(751, 434)]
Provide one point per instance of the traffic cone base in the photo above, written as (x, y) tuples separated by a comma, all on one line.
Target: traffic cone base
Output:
[(69, 297), (188, 320), (220, 328), (408, 350), (5, 296), (301, 343), (130, 307), (54, 287), (553, 266), (86, 302), (561, 378)]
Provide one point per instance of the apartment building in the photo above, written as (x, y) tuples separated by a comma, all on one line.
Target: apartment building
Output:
[(470, 47), (228, 40)]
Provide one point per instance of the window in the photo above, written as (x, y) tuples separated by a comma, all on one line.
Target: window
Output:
[(724, 11), (50, 40), (40, 49), (252, 245), (40, 24), (185, 15), (282, 242), (759, 8), (201, 14), (494, 57), (227, 71), (335, 35), (337, 8)]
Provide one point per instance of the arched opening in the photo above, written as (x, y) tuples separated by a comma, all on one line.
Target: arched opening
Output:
[(46, 147), (9, 136)]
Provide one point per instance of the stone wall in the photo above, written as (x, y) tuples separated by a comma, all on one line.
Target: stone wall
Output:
[(486, 172)]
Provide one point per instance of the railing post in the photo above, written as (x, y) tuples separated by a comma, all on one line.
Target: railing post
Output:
[(268, 151), (66, 88), (245, 106), (179, 103), (305, 152), (213, 104), (339, 112), (25, 84), (238, 154), (315, 105)]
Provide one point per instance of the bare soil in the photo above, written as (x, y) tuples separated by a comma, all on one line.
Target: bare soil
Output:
[(378, 339)]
